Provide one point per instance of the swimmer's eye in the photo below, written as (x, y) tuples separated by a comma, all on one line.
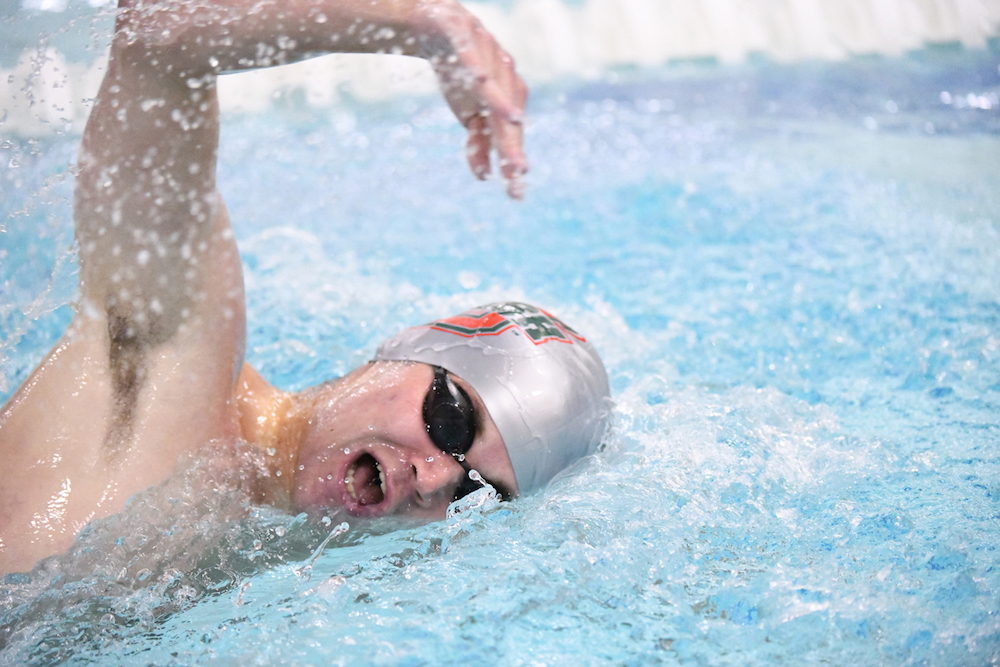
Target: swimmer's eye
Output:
[(449, 415), (450, 419)]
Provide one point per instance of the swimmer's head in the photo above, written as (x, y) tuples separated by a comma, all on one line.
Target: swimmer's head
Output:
[(543, 384)]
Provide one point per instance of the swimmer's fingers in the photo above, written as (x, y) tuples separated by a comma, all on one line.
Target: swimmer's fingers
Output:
[(501, 95), (485, 93), (477, 148), (492, 109), (506, 129), (504, 133)]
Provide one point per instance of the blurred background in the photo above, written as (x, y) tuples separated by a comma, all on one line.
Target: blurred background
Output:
[(52, 52)]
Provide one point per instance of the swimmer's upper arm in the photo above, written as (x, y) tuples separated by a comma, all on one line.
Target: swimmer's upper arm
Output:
[(159, 271)]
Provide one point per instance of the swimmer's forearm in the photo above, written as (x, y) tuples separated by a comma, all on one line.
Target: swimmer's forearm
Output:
[(194, 42), (216, 36)]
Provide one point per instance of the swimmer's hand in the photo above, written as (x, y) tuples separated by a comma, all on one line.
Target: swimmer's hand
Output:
[(187, 41), (478, 80)]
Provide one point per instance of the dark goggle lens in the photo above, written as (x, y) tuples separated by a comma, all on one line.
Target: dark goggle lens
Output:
[(451, 424), (449, 415)]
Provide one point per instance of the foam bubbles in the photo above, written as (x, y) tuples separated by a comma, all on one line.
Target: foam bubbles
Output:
[(799, 320)]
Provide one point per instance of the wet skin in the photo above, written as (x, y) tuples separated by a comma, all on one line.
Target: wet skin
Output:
[(331, 442)]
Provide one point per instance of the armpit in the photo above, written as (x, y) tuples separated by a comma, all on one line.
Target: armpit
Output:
[(127, 363)]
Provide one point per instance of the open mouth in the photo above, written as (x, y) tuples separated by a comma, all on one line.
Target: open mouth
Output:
[(365, 481)]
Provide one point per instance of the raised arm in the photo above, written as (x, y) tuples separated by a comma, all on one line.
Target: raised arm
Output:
[(146, 186), (152, 230), (147, 370)]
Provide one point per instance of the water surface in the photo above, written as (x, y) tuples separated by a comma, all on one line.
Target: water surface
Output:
[(792, 274)]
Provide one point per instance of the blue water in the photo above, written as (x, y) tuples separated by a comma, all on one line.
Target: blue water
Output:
[(792, 272)]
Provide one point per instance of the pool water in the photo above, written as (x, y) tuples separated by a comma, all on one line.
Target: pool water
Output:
[(792, 272)]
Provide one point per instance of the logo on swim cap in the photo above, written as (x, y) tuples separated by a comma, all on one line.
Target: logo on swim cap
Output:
[(542, 382), (538, 325)]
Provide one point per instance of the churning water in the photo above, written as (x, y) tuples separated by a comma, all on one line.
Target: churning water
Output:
[(793, 274)]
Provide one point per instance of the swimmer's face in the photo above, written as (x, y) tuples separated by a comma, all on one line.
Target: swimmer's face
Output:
[(367, 448)]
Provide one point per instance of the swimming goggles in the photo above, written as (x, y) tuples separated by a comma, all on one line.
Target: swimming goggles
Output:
[(450, 418)]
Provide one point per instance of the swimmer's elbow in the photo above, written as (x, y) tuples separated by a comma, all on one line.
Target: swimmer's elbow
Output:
[(163, 36)]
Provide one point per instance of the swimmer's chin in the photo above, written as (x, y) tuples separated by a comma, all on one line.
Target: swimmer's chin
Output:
[(343, 507)]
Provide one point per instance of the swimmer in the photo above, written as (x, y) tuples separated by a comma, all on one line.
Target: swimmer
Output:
[(151, 368)]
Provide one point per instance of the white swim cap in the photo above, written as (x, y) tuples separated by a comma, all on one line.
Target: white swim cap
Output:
[(542, 382)]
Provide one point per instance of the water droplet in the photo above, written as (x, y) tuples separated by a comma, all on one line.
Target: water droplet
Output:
[(279, 531), (469, 279), (243, 589), (150, 103)]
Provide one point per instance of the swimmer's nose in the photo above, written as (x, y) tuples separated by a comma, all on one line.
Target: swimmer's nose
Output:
[(434, 478)]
